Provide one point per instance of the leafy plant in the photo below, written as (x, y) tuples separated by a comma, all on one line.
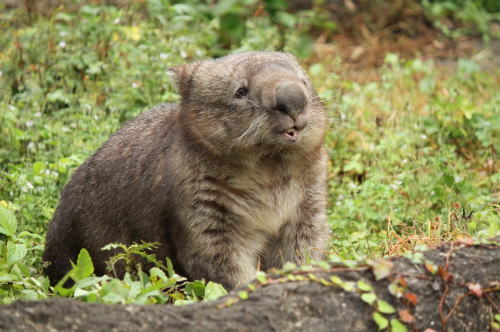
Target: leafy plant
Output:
[(18, 252), (160, 285), (473, 17)]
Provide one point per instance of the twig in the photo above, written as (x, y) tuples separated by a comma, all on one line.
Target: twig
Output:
[(418, 276), (445, 280), (443, 317), (457, 302), (492, 302)]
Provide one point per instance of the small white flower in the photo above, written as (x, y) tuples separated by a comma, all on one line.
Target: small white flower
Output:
[(11, 107), (29, 185), (116, 21), (29, 123), (63, 33), (62, 44), (338, 203), (458, 179), (163, 56), (433, 193), (183, 54), (31, 146), (135, 85), (423, 136), (37, 114), (404, 161)]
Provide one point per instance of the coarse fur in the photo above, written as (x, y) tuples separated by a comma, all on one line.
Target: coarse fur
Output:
[(230, 179)]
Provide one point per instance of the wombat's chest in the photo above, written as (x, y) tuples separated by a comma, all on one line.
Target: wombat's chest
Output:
[(266, 205)]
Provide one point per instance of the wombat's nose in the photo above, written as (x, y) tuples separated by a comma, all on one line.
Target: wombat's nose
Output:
[(290, 98)]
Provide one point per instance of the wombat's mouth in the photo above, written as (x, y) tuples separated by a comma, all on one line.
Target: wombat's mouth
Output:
[(291, 135)]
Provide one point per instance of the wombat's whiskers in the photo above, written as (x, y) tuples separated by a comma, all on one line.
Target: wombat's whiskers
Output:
[(256, 123)]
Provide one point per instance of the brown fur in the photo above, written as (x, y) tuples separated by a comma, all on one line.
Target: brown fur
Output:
[(215, 180)]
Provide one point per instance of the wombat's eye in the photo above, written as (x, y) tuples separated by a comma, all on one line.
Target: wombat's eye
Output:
[(242, 92)]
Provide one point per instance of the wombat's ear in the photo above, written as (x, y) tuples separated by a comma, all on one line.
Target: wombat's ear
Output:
[(182, 77)]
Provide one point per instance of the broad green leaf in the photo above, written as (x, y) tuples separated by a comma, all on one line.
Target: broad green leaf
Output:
[(348, 286), (38, 167), (113, 298), (28, 294), (397, 326), (156, 273), (84, 267), (369, 298), (80, 292), (15, 252), (196, 288), (364, 286), (8, 222), (381, 321), (213, 291), (261, 277), (7, 277), (385, 307), (90, 281)]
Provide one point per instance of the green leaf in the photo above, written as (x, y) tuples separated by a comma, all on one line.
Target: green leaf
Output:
[(170, 268), (15, 252), (195, 288), (156, 273), (381, 321), (397, 326), (38, 167), (84, 267), (261, 277), (364, 286), (243, 295), (385, 307), (369, 298), (213, 291), (8, 222)]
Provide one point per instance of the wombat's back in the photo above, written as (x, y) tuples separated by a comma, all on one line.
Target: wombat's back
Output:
[(117, 195)]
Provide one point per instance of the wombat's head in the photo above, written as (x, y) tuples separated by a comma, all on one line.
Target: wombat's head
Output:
[(261, 101)]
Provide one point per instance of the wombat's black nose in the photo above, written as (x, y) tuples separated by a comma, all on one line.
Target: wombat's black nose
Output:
[(290, 98)]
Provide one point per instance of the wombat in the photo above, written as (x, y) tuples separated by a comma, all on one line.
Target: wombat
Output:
[(231, 179)]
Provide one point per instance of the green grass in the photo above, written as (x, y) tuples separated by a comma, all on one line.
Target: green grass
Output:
[(413, 150)]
